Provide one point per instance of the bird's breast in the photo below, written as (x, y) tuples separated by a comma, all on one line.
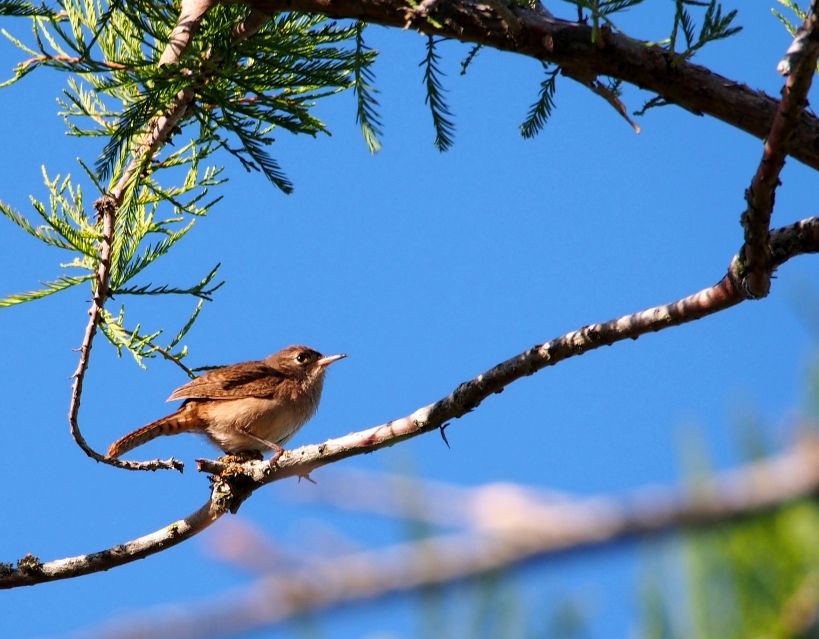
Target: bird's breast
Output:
[(270, 419)]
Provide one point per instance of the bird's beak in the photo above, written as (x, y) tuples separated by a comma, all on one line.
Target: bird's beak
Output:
[(329, 359)]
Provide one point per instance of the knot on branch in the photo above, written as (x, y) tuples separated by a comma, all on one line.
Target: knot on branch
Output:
[(29, 564), (234, 478), (467, 396), (105, 206), (753, 272), (228, 492)]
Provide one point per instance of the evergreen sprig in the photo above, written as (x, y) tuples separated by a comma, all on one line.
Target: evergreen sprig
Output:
[(441, 115), (600, 10), (148, 348), (715, 26), (243, 91), (22, 9), (49, 288), (470, 58), (253, 155), (141, 237), (363, 86), (143, 346), (540, 111)]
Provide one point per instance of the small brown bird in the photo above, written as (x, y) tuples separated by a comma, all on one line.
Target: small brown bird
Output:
[(255, 405)]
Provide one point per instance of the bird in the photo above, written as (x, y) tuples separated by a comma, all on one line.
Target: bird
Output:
[(251, 406)]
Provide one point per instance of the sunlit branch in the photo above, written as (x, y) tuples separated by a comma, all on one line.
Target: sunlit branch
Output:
[(174, 533), (191, 13), (235, 482), (73, 60), (798, 238)]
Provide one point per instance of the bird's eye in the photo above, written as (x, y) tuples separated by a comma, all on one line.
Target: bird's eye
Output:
[(302, 357)]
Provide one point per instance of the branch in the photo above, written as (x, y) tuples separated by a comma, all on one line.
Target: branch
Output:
[(29, 570), (73, 60), (570, 45), (800, 237), (469, 395), (799, 65), (539, 531), (233, 482), (191, 13), (106, 211)]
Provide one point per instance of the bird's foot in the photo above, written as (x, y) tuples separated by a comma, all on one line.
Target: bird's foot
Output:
[(241, 456)]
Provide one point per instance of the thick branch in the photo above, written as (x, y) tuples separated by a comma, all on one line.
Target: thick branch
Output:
[(235, 482), (570, 45), (191, 13), (799, 65), (30, 571), (469, 395), (540, 530), (801, 237)]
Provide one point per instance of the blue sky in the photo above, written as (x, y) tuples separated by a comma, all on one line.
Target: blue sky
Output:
[(427, 269)]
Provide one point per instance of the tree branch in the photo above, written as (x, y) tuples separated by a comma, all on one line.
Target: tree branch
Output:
[(34, 572), (541, 530), (799, 65), (107, 207), (800, 237), (570, 45), (106, 212), (234, 482), (29, 570), (191, 13)]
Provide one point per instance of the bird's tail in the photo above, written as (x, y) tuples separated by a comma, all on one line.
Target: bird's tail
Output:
[(184, 419)]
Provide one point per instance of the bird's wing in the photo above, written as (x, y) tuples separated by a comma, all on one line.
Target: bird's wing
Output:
[(248, 379)]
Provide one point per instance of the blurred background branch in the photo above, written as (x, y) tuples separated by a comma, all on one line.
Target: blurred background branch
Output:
[(502, 526)]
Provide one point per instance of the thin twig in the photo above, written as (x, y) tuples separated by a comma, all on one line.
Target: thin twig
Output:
[(167, 536), (107, 207), (71, 59), (159, 132), (106, 211), (174, 359), (799, 65)]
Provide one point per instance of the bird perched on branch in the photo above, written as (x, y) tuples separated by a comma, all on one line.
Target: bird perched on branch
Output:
[(251, 406)]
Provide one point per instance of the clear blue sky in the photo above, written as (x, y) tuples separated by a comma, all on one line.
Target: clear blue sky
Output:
[(427, 269)]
